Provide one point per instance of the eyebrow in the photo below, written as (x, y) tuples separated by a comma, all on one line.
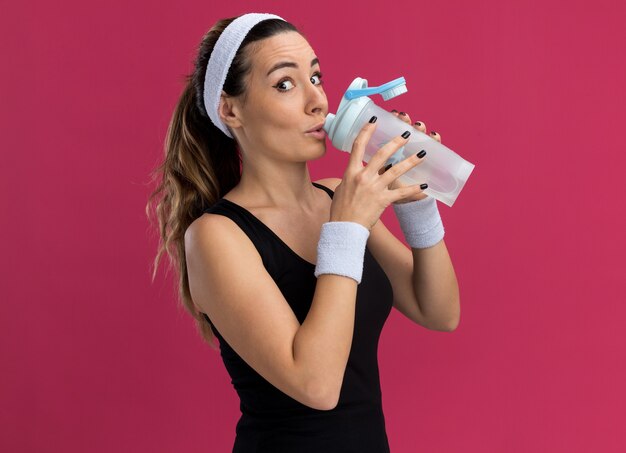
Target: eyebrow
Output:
[(289, 64)]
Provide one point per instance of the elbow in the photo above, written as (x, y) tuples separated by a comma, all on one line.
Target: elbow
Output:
[(454, 323), (451, 327), (327, 404), (323, 398)]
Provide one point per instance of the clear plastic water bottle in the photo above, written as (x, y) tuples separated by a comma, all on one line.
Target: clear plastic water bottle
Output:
[(444, 170)]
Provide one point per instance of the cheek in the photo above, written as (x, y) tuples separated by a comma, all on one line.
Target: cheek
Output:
[(278, 120), (278, 131), (286, 117), (284, 125)]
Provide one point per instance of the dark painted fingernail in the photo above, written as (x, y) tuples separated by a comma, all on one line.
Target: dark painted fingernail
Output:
[(421, 154), (402, 113), (423, 186), (373, 119), (406, 134), (433, 132), (388, 167), (417, 123), (394, 111)]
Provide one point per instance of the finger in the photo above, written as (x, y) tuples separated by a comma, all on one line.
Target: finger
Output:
[(436, 136), (412, 193), (360, 143), (402, 167), (404, 117), (420, 126), (383, 154), (395, 112)]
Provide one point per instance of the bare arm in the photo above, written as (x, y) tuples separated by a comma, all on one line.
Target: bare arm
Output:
[(424, 283), (436, 287), (322, 344), (230, 284)]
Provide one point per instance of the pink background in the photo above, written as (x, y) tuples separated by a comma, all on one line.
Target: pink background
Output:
[(97, 358)]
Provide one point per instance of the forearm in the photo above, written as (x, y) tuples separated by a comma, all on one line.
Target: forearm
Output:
[(436, 287), (323, 341)]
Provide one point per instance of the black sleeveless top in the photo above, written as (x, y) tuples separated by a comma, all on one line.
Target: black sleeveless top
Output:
[(272, 421)]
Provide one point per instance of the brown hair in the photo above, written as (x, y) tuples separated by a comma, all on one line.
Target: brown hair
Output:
[(201, 163)]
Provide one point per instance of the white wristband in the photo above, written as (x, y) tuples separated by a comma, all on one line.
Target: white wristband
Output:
[(420, 222), (341, 249)]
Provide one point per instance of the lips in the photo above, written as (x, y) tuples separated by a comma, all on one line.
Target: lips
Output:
[(316, 128)]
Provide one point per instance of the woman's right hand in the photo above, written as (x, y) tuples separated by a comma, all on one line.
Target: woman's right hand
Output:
[(363, 193)]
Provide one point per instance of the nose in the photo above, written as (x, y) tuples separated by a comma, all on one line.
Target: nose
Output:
[(316, 101)]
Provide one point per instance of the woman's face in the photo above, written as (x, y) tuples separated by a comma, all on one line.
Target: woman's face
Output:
[(285, 99)]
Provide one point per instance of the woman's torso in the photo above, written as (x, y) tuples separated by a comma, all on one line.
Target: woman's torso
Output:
[(273, 421)]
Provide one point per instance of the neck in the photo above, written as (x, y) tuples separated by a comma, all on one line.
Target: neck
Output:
[(279, 184)]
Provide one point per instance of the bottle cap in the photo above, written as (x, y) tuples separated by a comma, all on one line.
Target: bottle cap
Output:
[(339, 125)]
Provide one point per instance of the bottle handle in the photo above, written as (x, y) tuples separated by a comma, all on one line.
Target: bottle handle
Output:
[(388, 90)]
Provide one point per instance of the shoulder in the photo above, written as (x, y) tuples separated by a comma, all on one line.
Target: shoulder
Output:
[(331, 183), (207, 222), (214, 233)]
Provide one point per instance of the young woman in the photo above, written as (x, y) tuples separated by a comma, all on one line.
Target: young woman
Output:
[(295, 278)]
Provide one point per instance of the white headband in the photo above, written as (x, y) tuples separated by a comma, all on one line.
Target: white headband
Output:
[(221, 58)]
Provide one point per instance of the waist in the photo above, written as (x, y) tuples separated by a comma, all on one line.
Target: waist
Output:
[(364, 409), (358, 428)]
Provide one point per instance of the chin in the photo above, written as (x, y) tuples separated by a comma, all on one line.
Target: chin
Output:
[(320, 150)]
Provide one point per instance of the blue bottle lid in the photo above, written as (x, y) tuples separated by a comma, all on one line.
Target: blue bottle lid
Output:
[(338, 125)]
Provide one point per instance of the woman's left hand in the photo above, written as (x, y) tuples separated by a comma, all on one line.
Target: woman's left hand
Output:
[(420, 126)]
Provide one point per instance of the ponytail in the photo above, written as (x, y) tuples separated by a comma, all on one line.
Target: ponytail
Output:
[(201, 163)]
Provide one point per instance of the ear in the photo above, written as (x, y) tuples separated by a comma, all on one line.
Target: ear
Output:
[(229, 111)]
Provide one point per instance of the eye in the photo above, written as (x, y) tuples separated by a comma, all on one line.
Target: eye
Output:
[(319, 75), (283, 85), (280, 85)]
